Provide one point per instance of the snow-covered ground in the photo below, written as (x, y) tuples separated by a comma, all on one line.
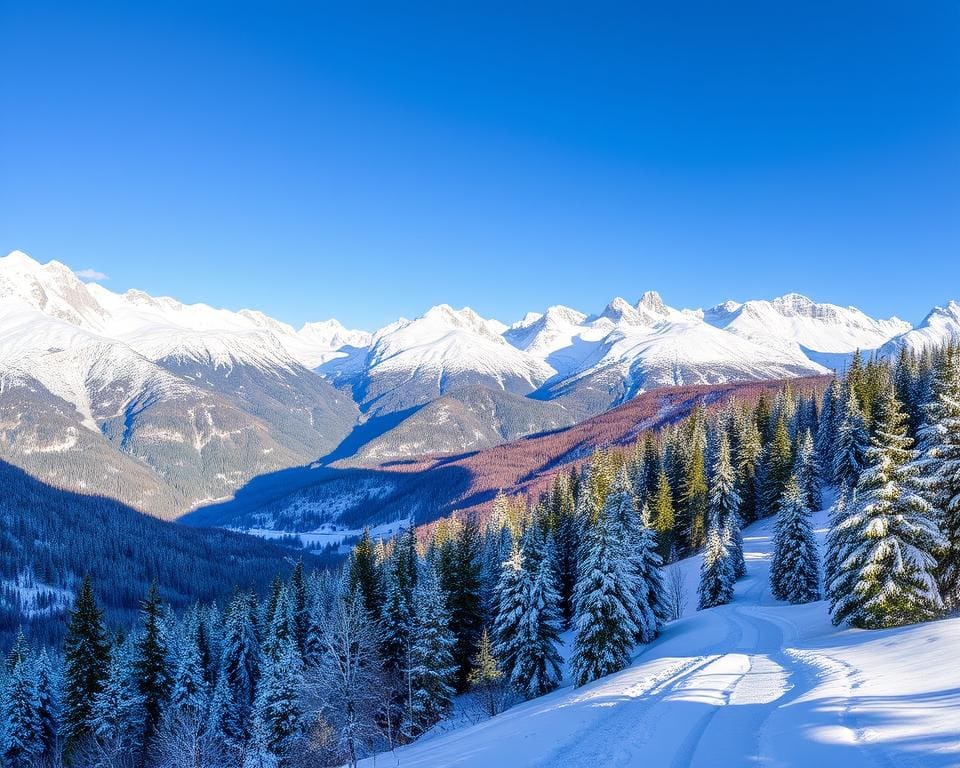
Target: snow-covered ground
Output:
[(753, 683)]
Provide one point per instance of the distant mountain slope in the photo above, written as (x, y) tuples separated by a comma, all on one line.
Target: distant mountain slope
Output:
[(162, 405), (50, 539), (434, 486), (467, 419), (940, 327)]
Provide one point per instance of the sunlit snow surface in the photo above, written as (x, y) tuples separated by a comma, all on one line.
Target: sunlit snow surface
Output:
[(754, 683)]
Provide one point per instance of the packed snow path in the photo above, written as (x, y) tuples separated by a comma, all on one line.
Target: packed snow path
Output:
[(756, 682)]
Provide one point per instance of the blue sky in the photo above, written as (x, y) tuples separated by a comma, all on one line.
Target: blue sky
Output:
[(313, 161)]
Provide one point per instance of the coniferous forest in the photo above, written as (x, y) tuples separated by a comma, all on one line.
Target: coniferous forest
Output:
[(330, 665)]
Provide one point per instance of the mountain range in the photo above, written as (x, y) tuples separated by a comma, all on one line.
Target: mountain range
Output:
[(168, 407)]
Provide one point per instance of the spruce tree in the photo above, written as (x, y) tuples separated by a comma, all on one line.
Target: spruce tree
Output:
[(277, 713), (605, 601), (432, 667), (364, 574), (795, 569), (460, 582), (852, 443), (748, 455), (118, 714), (725, 505), (86, 656), (695, 500), (807, 471), (48, 708), (716, 570), (536, 656), (239, 672), (885, 577), (153, 672), (650, 577), (487, 678), (663, 515), (21, 739), (511, 603), (939, 468), (778, 467)]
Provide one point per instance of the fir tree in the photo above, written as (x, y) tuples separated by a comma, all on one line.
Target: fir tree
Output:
[(277, 715), (778, 467), (22, 739), (939, 466), (725, 505), (48, 708), (885, 577), (749, 451), (695, 499), (487, 678), (807, 472), (364, 574), (511, 603), (239, 672), (536, 657), (432, 667), (460, 582), (153, 672), (117, 717), (86, 656), (851, 445), (605, 605), (795, 569), (663, 516), (716, 570)]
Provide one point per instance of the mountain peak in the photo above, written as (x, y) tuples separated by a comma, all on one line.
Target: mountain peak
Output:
[(20, 259), (652, 302)]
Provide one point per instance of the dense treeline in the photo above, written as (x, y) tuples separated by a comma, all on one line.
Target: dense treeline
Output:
[(51, 538), (331, 667)]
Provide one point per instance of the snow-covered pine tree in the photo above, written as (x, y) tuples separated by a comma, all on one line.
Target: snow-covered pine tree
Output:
[(939, 467), (21, 741), (277, 713), (851, 444), (778, 466), (748, 453), (795, 568), (511, 603), (716, 570), (725, 505), (239, 672), (605, 604), (118, 715), (487, 679), (650, 576), (432, 667), (828, 426), (663, 516), (806, 469), (620, 506), (48, 707), (885, 578), (152, 667), (86, 657), (536, 659)]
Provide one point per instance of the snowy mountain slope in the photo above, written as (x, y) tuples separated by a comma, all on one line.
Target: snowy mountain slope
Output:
[(468, 419), (412, 362), (651, 345), (756, 682), (200, 399), (795, 323), (941, 326)]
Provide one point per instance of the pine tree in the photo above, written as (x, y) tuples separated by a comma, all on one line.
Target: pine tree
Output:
[(725, 505), (299, 606), (650, 577), (364, 574), (118, 713), (663, 515), (511, 603), (795, 569), (239, 671), (716, 570), (487, 678), (48, 708), (605, 605), (153, 672), (460, 582), (695, 500), (852, 443), (886, 577), (277, 714), (807, 471), (22, 738), (748, 454), (828, 426), (432, 667), (939, 467), (86, 656), (536, 657), (778, 467)]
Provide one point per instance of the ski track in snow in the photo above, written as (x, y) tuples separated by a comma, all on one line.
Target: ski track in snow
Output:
[(745, 684)]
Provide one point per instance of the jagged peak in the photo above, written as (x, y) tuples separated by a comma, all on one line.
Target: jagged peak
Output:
[(652, 302)]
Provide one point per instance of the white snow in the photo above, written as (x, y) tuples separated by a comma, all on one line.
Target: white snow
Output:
[(941, 326), (756, 682)]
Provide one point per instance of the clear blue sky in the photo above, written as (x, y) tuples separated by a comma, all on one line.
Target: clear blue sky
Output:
[(313, 161)]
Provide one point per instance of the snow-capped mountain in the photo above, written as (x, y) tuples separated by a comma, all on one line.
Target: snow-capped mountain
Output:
[(794, 322), (412, 362), (200, 399), (940, 327)]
